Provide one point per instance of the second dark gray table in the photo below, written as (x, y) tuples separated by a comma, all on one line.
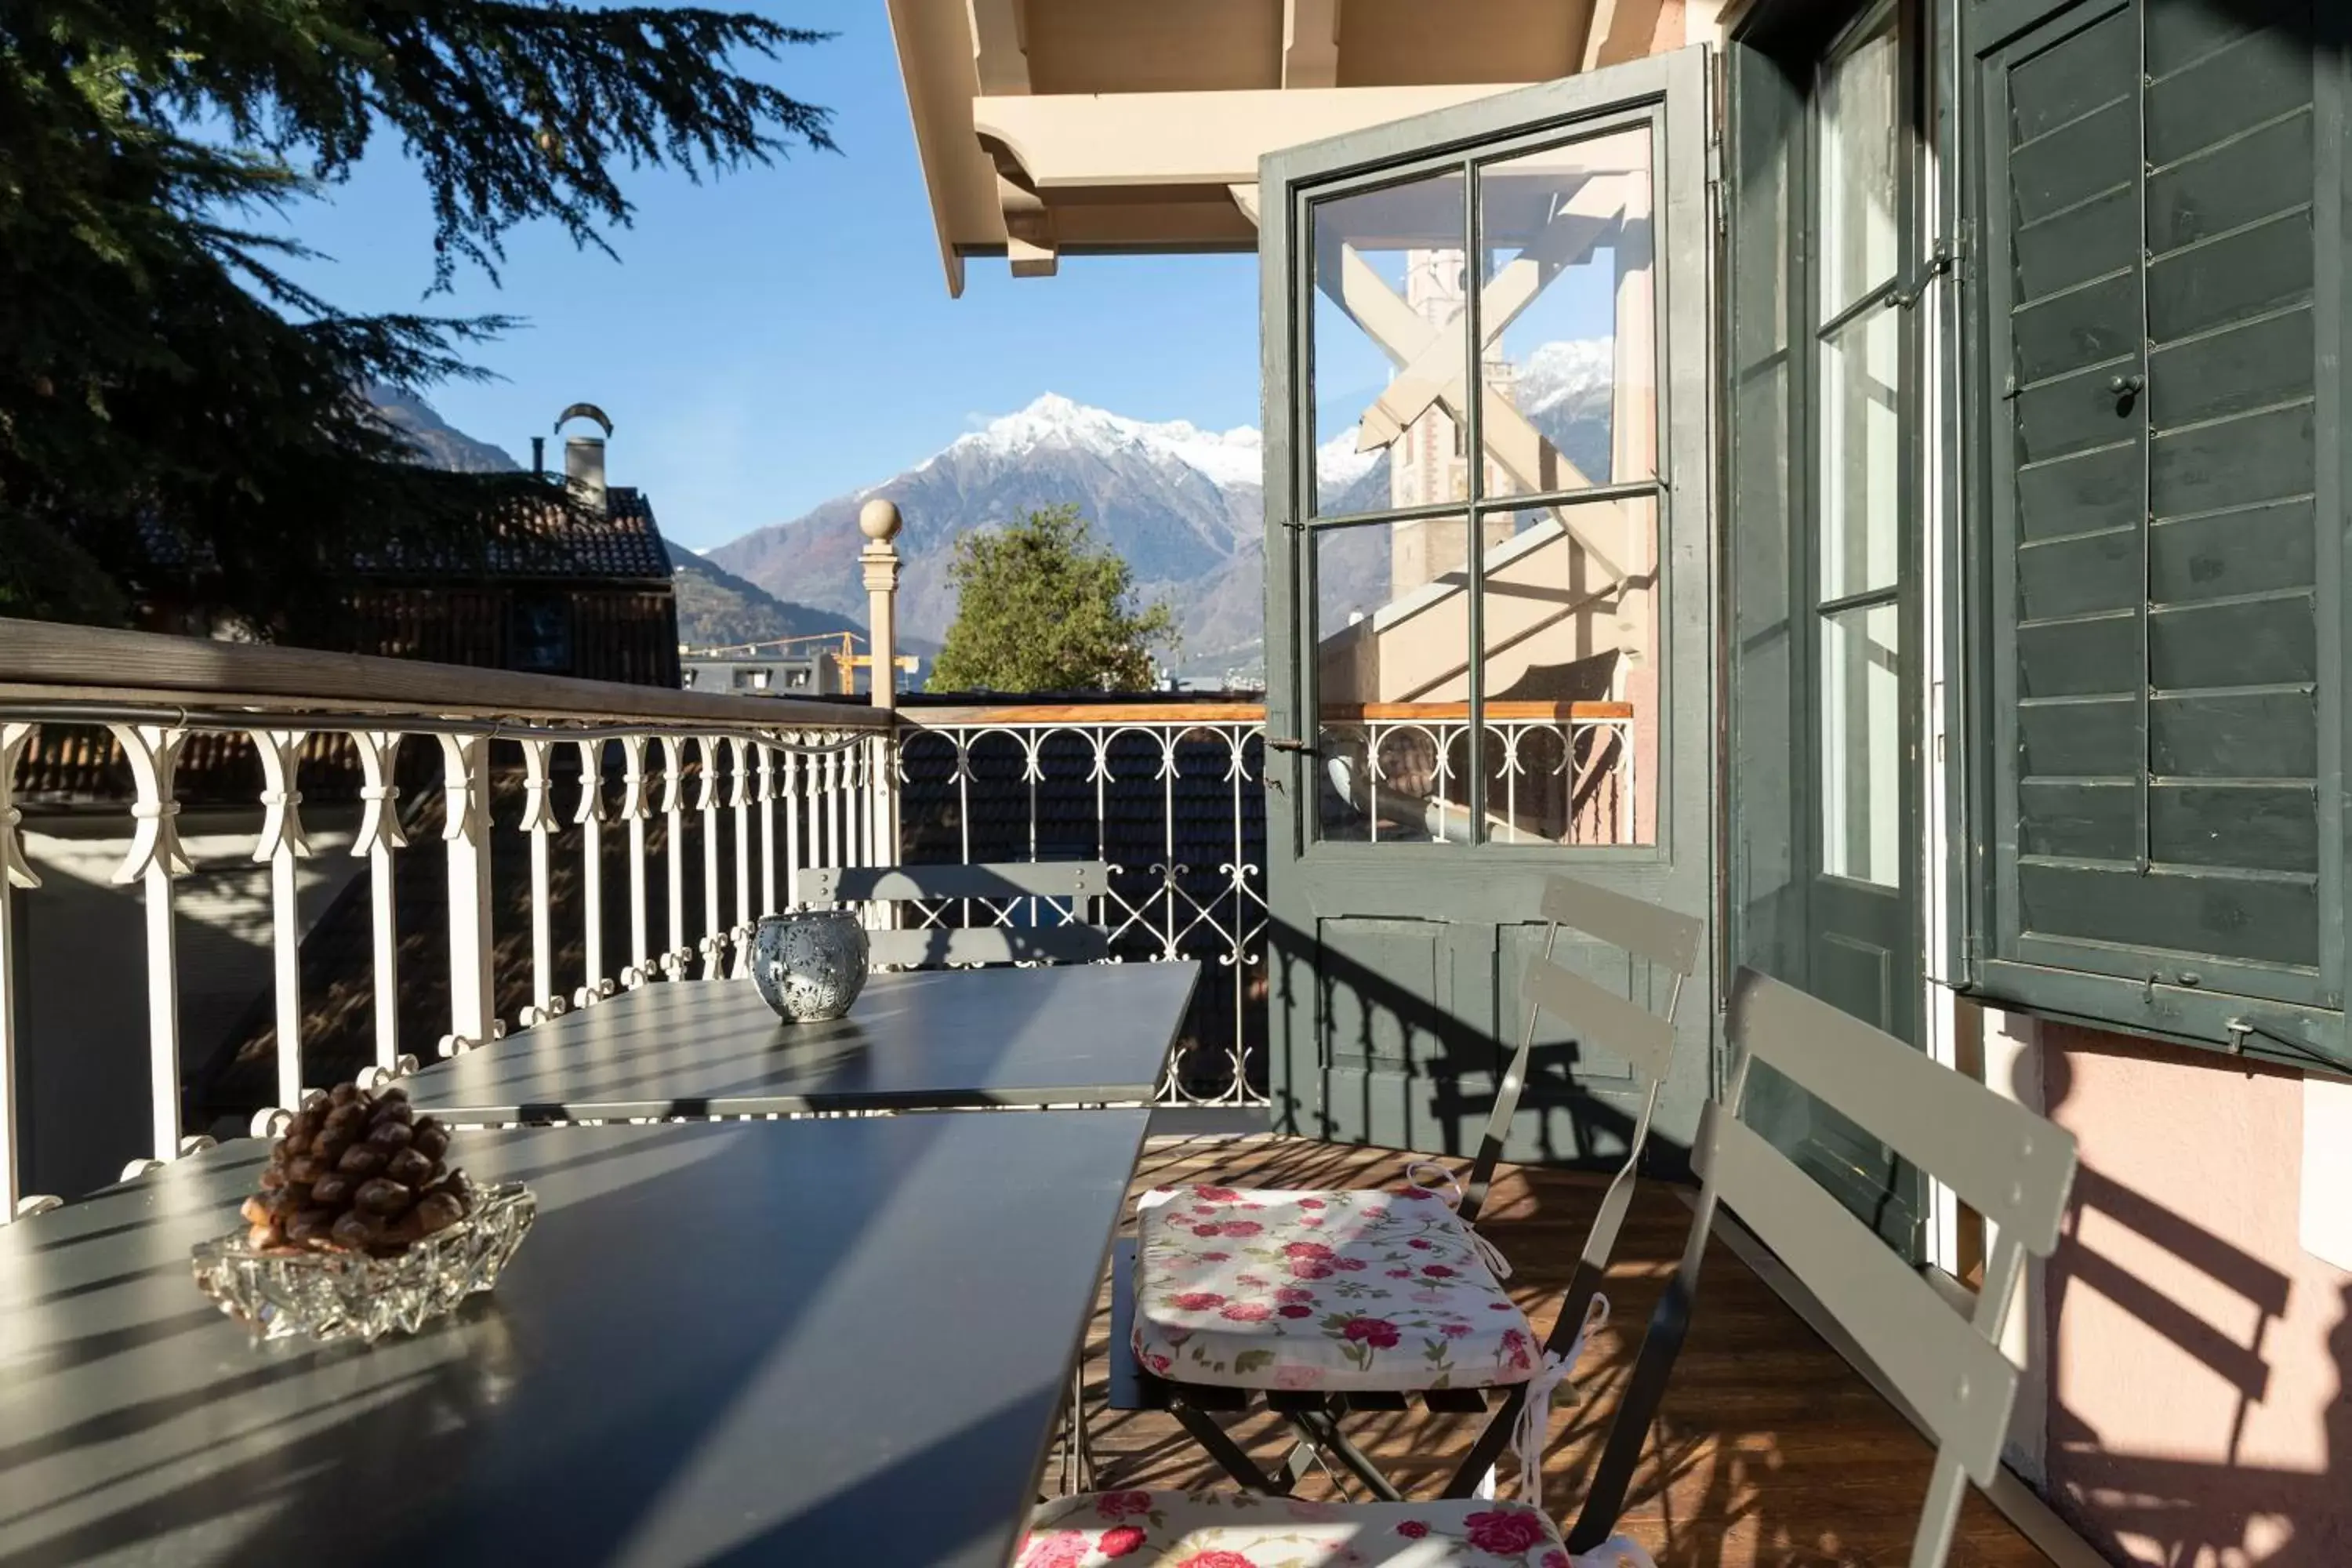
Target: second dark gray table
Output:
[(1078, 1034), (827, 1343)]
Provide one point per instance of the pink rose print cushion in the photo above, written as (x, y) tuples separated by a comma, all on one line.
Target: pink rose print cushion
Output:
[(1251, 1288), (1246, 1529)]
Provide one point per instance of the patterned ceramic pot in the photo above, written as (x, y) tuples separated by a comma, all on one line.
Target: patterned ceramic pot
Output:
[(809, 964)]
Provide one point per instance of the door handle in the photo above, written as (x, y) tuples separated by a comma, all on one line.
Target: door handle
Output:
[(2126, 389), (1290, 744)]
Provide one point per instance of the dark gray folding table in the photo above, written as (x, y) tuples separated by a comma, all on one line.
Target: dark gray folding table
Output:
[(1076, 1034), (830, 1342)]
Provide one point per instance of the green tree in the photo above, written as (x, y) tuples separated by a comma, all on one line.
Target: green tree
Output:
[(1042, 607), (177, 413)]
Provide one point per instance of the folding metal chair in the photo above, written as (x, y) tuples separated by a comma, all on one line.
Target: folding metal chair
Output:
[(1216, 1305), (2014, 1167), (1058, 888)]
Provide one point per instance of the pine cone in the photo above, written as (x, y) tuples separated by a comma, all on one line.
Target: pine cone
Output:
[(357, 1172)]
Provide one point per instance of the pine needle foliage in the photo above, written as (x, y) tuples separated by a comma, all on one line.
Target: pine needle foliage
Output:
[(178, 416)]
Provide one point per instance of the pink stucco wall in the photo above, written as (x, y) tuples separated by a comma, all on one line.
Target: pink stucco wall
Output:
[(2200, 1360)]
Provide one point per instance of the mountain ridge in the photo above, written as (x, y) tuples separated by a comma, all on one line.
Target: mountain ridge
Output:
[(1182, 503)]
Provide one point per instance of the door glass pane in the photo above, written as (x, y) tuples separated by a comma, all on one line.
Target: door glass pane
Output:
[(1858, 169), (1391, 655), (1386, 343), (1861, 372), (1571, 698), (1568, 310), (1862, 765)]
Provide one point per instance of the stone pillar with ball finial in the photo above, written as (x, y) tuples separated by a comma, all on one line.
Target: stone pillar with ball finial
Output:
[(878, 519)]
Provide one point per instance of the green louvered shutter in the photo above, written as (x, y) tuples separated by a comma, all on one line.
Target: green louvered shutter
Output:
[(2161, 596)]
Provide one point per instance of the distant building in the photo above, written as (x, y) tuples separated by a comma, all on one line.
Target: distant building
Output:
[(590, 596), (583, 591), (812, 674)]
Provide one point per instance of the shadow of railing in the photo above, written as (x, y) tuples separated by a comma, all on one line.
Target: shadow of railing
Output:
[(2216, 1307), (1561, 1119)]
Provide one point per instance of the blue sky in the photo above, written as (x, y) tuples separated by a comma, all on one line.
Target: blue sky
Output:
[(779, 336)]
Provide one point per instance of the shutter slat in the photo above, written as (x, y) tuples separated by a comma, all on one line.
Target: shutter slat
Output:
[(2162, 538)]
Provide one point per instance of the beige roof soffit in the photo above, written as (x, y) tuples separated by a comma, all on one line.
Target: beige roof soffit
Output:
[(1310, 43), (1620, 30), (901, 25), (1000, 45), (1077, 140)]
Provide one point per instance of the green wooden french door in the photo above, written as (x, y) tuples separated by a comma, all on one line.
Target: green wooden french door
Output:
[(1826, 269), (1489, 601)]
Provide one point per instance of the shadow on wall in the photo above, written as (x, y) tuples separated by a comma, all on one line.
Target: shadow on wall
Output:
[(2200, 1386)]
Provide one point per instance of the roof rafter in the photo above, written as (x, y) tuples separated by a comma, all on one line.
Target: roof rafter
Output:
[(1310, 43), (1000, 45), (1189, 138)]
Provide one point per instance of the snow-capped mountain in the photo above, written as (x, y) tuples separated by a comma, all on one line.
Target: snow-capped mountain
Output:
[(1182, 504)]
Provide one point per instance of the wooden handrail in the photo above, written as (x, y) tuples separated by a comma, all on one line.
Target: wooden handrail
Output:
[(1092, 714), (40, 661), (1106, 714), (1408, 711)]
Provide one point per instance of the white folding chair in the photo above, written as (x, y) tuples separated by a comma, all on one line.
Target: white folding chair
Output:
[(1226, 1303)]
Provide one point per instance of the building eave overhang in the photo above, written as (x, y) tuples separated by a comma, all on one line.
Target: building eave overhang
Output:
[(1046, 127)]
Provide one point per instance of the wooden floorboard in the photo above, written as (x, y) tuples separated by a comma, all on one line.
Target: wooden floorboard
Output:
[(1770, 1450)]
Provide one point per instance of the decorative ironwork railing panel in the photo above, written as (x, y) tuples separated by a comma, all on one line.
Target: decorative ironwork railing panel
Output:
[(1171, 799)]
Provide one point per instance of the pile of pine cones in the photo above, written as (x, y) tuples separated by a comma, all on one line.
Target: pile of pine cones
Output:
[(357, 1172)]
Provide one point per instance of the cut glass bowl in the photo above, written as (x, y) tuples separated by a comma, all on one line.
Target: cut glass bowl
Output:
[(329, 1296)]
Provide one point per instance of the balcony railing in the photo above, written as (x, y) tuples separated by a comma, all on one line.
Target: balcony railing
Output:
[(703, 805), (1170, 794), (520, 846)]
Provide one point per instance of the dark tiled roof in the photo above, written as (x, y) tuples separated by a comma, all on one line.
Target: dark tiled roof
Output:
[(624, 544)]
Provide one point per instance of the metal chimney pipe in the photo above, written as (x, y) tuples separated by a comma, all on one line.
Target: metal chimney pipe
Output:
[(584, 468), (584, 456), (538, 456)]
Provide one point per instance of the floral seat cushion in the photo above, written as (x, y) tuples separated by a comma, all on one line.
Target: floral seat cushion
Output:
[(1365, 1289), (1247, 1529)]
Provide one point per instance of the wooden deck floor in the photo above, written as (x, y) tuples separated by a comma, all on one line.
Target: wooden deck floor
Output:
[(1770, 1450)]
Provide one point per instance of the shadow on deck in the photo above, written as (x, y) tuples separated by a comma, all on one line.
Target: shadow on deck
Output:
[(1770, 1450)]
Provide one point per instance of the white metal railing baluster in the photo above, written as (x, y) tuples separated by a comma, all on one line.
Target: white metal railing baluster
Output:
[(590, 819), (740, 798), (795, 807), (860, 806), (833, 808), (283, 842), (713, 945), (466, 786), (888, 749), (1168, 868), (767, 795), (539, 821), (633, 809), (380, 834), (16, 871), (877, 791), (1632, 797), (673, 805), (156, 858)]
